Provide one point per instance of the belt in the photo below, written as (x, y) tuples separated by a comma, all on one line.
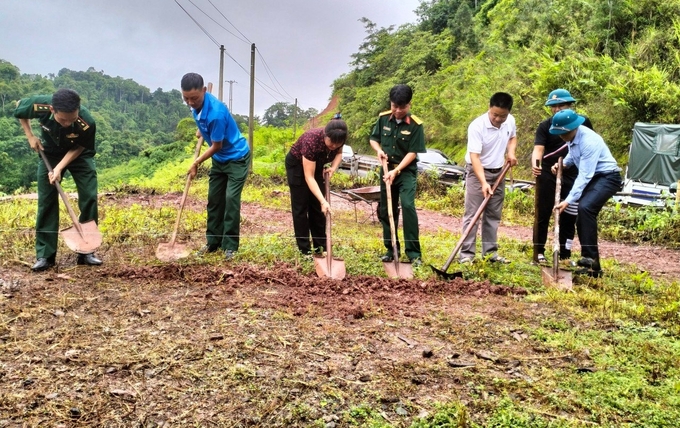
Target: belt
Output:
[(491, 170)]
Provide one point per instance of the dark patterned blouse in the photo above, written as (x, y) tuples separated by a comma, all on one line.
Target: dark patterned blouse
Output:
[(311, 145)]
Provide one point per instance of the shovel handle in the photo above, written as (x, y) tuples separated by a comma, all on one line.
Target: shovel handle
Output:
[(478, 214), (556, 237), (71, 213), (197, 151), (390, 214), (327, 194)]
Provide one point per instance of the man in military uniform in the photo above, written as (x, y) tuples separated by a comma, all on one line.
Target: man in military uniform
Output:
[(68, 134), (398, 137)]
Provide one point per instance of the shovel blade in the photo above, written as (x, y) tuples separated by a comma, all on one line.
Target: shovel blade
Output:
[(562, 282), (168, 252), (86, 243), (337, 267), (398, 270)]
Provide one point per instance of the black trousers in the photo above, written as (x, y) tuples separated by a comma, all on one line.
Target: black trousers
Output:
[(545, 201), (306, 209), (600, 189)]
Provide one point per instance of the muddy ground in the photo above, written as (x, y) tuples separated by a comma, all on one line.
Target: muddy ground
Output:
[(232, 344)]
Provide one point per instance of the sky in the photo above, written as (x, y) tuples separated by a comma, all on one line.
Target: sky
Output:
[(302, 45)]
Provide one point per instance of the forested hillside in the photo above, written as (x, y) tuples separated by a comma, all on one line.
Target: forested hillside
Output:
[(619, 58), (130, 118)]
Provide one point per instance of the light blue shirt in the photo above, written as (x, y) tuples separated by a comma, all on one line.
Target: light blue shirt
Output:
[(590, 154)]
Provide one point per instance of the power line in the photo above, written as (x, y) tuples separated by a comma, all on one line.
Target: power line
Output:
[(220, 25), (227, 19), (199, 25), (271, 74)]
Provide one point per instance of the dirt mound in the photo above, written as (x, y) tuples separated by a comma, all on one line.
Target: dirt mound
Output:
[(289, 288)]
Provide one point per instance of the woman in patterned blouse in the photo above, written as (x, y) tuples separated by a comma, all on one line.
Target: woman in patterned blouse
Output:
[(315, 152)]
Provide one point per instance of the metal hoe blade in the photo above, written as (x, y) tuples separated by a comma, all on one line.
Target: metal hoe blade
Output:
[(442, 272)]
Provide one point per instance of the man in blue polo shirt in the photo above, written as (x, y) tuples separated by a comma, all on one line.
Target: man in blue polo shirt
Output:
[(230, 163), (598, 179)]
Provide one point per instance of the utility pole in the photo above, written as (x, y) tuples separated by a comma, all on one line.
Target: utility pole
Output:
[(219, 91), (251, 125), (231, 82), (295, 120)]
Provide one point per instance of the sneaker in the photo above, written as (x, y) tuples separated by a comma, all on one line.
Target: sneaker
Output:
[(207, 249), (416, 261), (498, 259), (593, 273), (465, 260), (541, 259), (567, 264), (229, 254), (387, 258)]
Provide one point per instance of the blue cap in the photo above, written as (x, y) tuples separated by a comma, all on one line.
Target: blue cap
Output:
[(559, 96), (565, 121)]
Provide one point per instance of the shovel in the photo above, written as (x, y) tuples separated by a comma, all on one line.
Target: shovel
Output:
[(554, 276), (167, 252), (395, 268), (83, 238), (329, 267), (442, 272)]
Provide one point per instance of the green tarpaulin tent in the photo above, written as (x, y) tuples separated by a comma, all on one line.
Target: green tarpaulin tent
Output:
[(654, 154)]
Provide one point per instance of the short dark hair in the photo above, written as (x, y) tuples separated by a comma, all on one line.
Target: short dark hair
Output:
[(401, 94), (192, 81), (66, 100), (336, 130), (501, 100)]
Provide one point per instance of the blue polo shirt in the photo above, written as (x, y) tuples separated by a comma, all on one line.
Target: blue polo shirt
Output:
[(591, 155), (216, 124)]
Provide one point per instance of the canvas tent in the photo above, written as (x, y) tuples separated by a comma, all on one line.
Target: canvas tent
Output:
[(653, 163)]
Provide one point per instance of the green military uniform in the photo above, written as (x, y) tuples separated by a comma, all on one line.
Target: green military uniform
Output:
[(57, 141), (397, 140)]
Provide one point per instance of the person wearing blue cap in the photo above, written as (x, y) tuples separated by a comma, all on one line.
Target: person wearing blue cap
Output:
[(598, 179), (548, 148)]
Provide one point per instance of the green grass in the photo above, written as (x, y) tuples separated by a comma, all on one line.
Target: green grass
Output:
[(622, 331)]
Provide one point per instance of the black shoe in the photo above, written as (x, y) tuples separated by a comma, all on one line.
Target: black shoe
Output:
[(416, 261), (586, 262), (207, 249), (88, 259), (42, 264), (387, 258), (593, 273), (229, 254)]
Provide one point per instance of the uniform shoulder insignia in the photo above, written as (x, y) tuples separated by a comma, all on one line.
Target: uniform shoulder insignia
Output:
[(83, 125), (416, 119), (41, 108), (385, 112)]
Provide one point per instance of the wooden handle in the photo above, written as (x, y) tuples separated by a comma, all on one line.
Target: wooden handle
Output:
[(478, 214), (390, 214), (71, 213)]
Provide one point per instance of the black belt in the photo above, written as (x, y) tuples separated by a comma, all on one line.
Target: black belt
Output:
[(491, 170)]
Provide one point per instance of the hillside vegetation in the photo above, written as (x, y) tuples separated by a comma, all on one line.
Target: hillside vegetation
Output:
[(618, 58)]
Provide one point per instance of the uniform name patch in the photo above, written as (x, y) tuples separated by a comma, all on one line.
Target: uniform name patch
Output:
[(386, 128)]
